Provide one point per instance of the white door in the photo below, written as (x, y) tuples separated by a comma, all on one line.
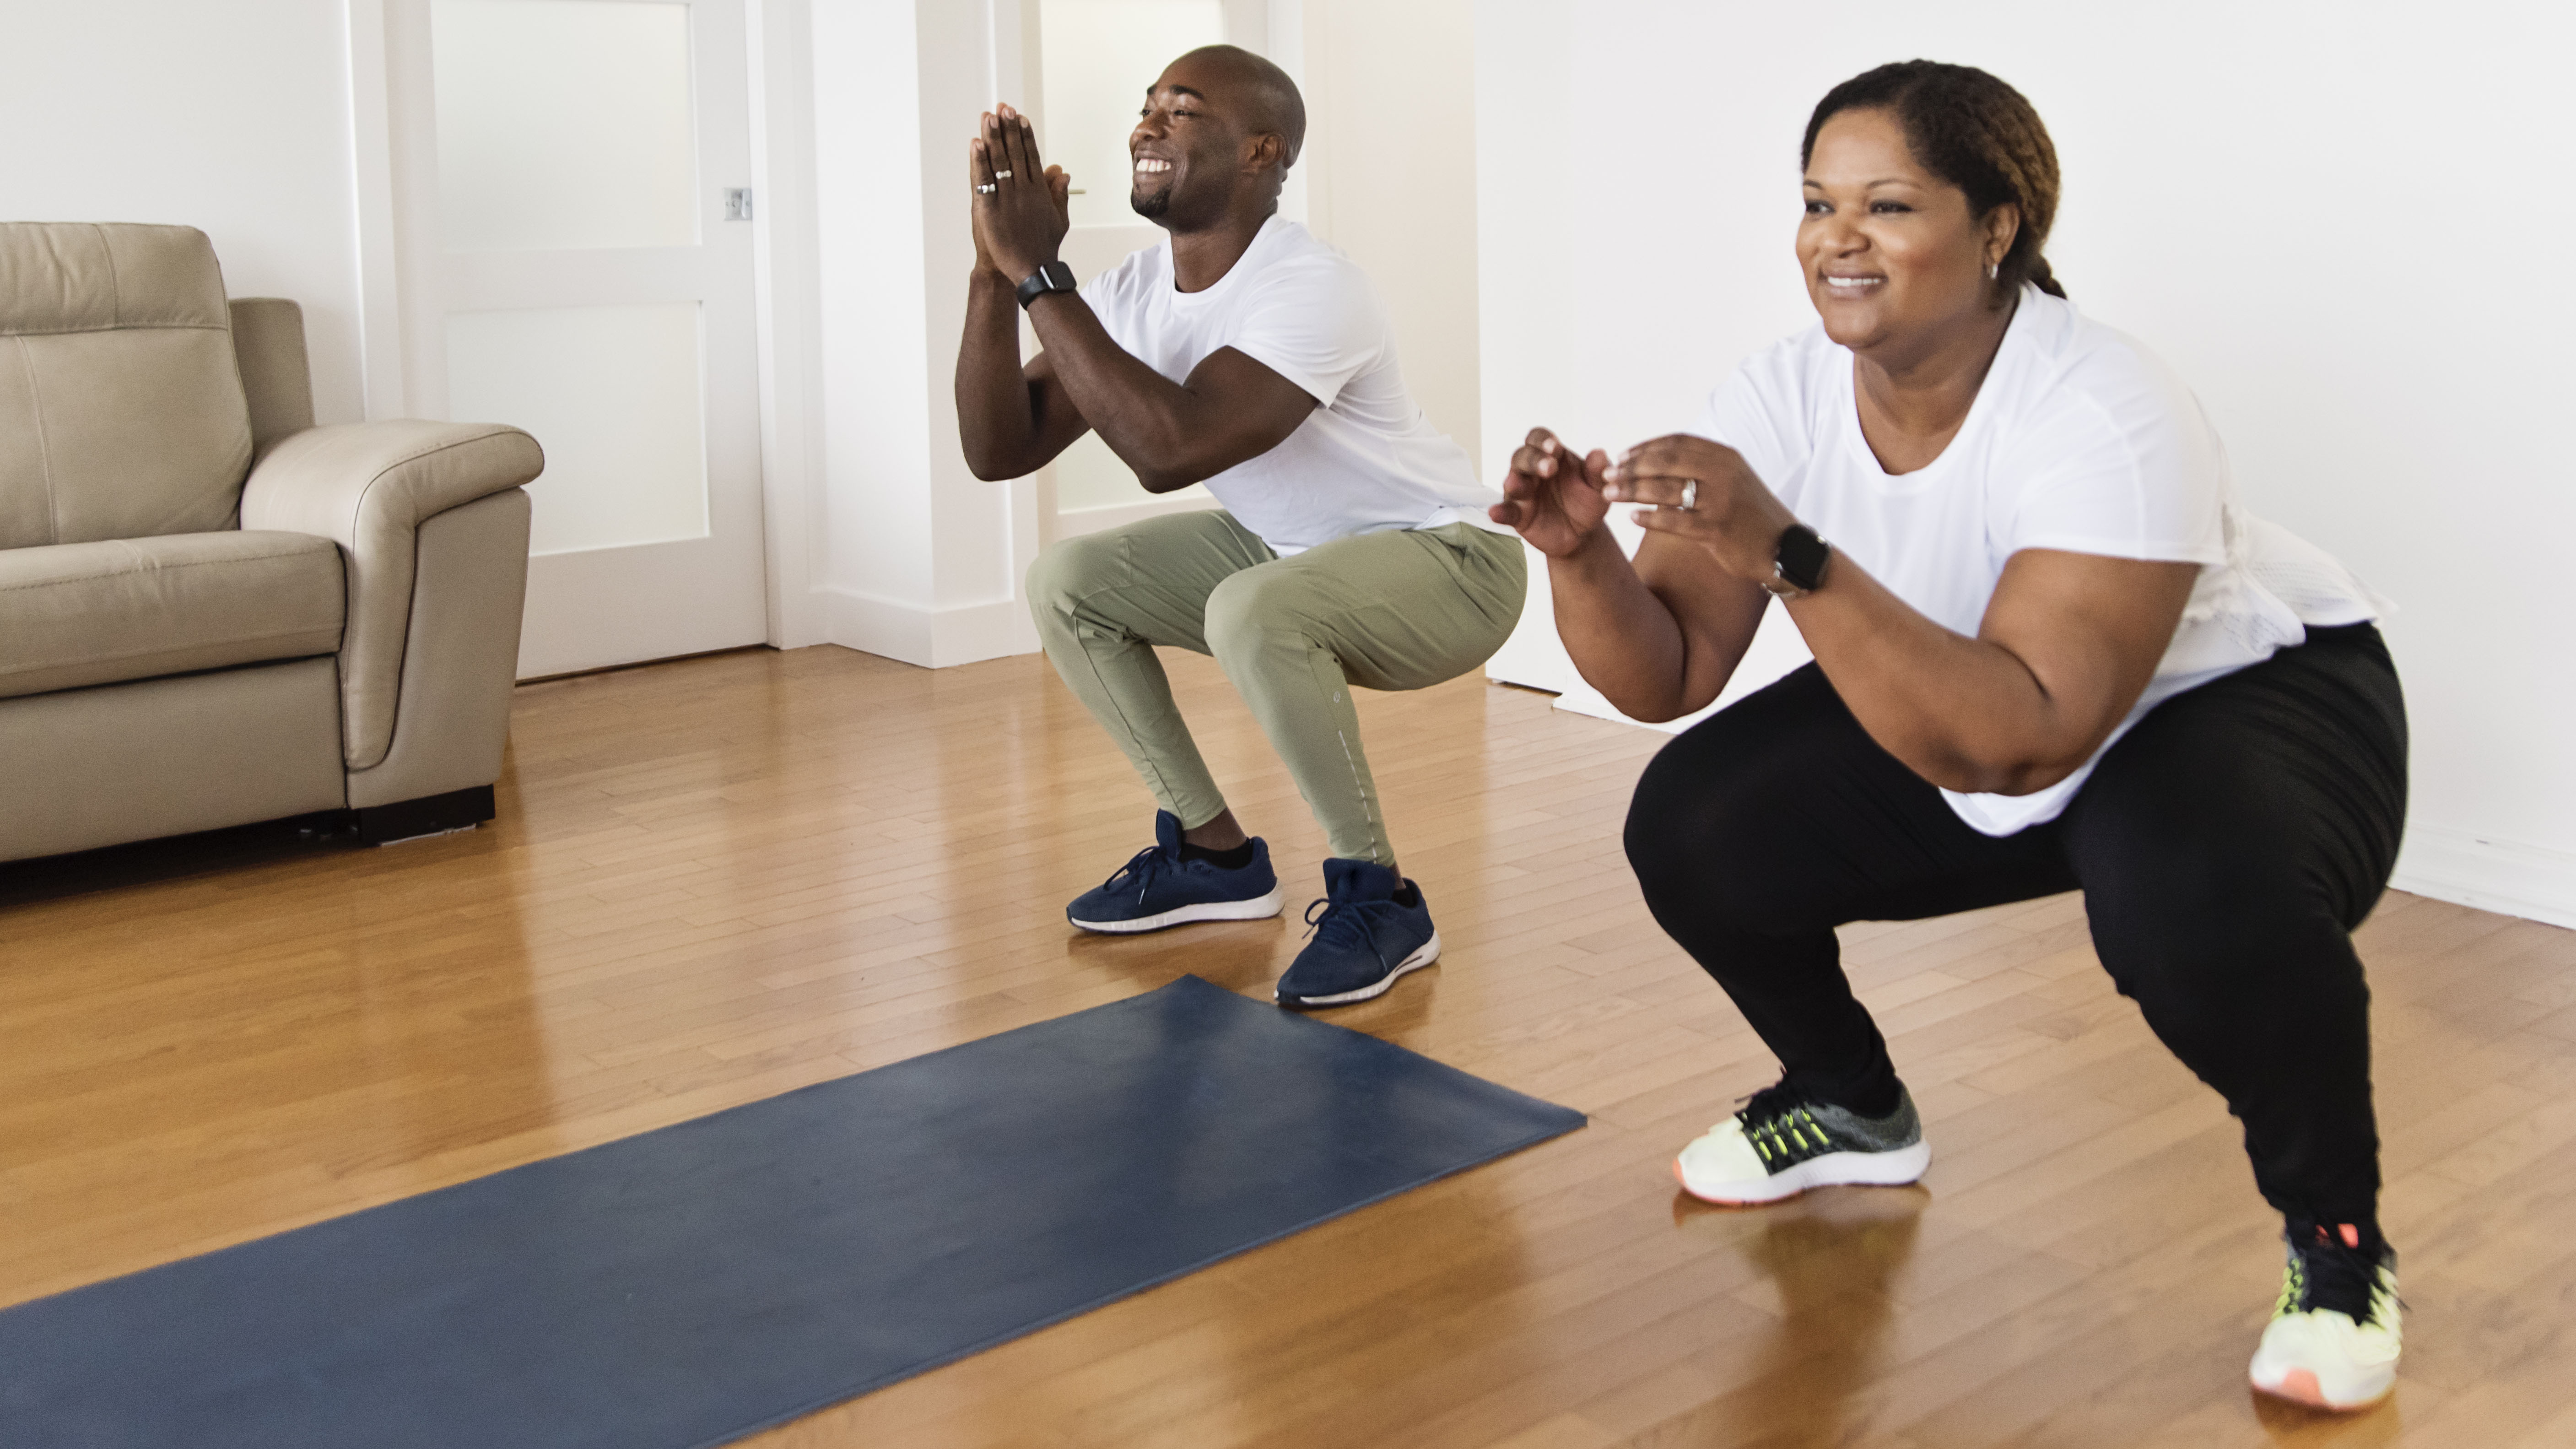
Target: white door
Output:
[(577, 260)]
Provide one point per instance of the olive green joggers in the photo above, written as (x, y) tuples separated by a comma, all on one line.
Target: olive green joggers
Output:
[(1394, 610)]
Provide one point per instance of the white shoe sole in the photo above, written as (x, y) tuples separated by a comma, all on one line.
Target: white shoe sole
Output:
[(2354, 1389), (1834, 1169), (1423, 955), (1256, 909)]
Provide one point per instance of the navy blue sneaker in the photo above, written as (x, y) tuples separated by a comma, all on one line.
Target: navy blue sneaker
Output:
[(1374, 926), (1158, 888)]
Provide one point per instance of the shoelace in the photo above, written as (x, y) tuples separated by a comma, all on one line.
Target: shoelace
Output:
[(1142, 865), (1780, 1127), (2324, 1273), (1339, 920)]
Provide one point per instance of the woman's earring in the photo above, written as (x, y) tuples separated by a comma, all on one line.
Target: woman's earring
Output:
[(1990, 271)]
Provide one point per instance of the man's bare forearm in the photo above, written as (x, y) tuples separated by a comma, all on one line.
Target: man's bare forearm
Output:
[(1155, 425), (997, 406)]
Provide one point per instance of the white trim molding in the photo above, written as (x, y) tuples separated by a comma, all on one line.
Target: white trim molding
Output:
[(371, 173), (931, 638), (2506, 876), (785, 285)]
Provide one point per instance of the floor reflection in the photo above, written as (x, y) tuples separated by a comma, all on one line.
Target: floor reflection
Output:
[(228, 1034), (1829, 1256)]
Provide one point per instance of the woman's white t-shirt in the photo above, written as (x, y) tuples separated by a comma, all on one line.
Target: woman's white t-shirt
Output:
[(1366, 459), (2079, 439)]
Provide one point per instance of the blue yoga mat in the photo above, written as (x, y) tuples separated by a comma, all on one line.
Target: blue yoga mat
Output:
[(706, 1280)]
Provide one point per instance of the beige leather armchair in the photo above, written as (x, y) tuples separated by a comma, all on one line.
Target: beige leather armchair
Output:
[(213, 612)]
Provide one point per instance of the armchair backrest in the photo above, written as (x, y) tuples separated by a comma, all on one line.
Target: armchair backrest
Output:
[(121, 406)]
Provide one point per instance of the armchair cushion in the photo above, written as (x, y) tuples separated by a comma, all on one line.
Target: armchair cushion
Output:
[(121, 408), (277, 380), (78, 614), (368, 487)]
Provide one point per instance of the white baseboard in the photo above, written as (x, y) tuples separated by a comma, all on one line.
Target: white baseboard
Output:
[(2531, 881), (931, 638), (1074, 522)]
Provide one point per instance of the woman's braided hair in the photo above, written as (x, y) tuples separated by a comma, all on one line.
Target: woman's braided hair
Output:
[(1975, 132)]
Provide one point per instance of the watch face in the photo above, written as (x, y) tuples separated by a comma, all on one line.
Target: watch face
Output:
[(1801, 557)]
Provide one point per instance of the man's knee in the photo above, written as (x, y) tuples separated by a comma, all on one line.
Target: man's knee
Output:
[(1249, 604), (1068, 569)]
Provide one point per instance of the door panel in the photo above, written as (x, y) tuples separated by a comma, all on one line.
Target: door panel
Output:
[(615, 390), (564, 124)]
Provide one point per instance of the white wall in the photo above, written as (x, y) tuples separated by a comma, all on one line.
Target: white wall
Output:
[(1391, 140), (2333, 218), (232, 118), (917, 559)]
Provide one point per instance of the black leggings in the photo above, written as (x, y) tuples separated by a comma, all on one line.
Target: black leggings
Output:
[(2226, 847)]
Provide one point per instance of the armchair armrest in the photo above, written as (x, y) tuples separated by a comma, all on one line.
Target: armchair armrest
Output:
[(368, 487)]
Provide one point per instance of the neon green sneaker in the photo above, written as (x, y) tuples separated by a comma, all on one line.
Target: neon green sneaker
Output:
[(2332, 1341), (1781, 1144)]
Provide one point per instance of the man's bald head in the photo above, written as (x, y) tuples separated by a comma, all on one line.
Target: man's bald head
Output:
[(1219, 131), (1268, 99)]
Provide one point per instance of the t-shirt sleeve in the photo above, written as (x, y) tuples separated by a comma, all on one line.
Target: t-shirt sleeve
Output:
[(2120, 462), (1761, 412), (1317, 326)]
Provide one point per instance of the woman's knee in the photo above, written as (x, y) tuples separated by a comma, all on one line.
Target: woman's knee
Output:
[(1694, 835), (2209, 944)]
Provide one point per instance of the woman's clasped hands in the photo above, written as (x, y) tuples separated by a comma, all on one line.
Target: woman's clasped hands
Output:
[(1693, 489)]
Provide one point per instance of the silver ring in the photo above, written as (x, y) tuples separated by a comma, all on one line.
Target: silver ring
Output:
[(987, 189), (1690, 495), (1001, 175)]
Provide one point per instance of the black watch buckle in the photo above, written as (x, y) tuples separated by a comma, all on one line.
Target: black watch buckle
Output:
[(1049, 278)]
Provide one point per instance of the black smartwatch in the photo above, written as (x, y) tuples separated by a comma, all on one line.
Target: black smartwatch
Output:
[(1052, 277), (1798, 562)]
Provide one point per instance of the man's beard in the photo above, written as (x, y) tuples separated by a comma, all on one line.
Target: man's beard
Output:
[(1150, 205)]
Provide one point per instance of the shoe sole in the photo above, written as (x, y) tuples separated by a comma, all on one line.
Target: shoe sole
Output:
[(1257, 909), (1423, 955), (2300, 1386), (1834, 1169)]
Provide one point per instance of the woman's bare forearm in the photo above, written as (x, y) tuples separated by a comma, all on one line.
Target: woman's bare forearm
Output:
[(1627, 640), (1980, 715)]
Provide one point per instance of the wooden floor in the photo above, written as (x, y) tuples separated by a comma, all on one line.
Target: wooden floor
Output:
[(719, 879)]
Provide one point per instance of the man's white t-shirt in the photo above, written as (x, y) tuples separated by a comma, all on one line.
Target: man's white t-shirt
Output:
[(2080, 439), (1366, 459)]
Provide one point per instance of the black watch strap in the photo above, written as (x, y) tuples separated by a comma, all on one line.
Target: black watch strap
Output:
[(1799, 560), (1050, 277)]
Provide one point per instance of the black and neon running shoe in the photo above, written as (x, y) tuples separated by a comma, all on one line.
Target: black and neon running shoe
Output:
[(2332, 1341), (1782, 1144)]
